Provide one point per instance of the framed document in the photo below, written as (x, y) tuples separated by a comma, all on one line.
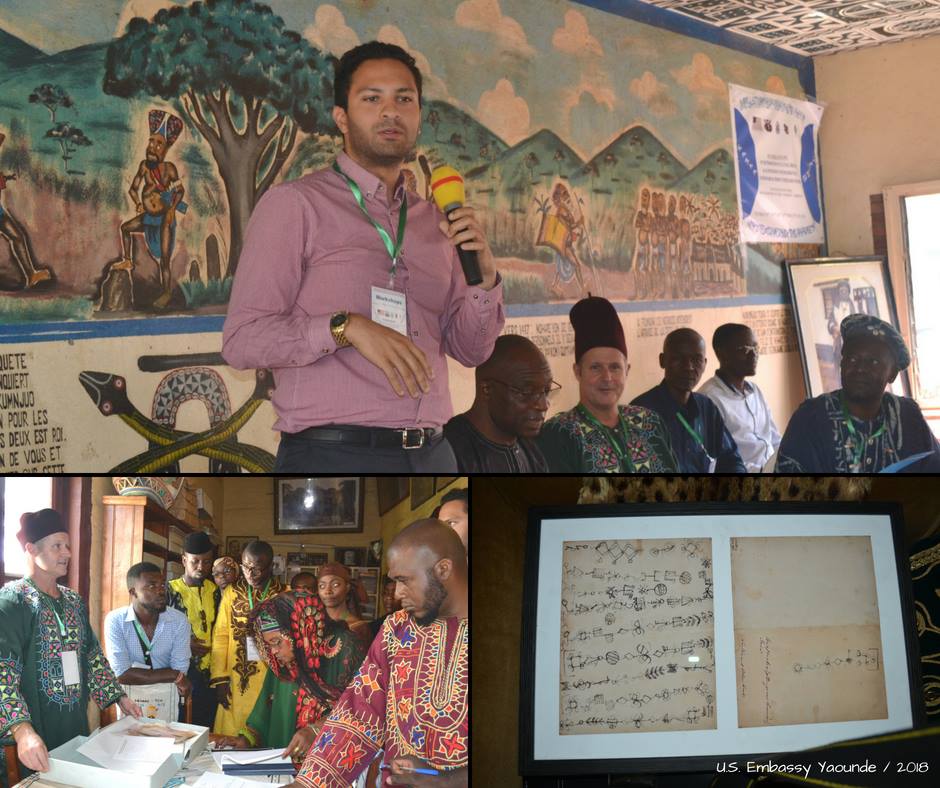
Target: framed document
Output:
[(322, 504), (669, 637)]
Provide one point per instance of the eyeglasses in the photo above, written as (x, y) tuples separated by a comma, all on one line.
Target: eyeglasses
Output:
[(254, 570), (530, 393), (755, 349)]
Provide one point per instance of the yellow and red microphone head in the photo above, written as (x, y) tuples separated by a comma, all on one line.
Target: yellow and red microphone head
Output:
[(447, 188)]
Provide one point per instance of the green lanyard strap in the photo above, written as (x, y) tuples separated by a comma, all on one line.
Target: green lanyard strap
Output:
[(693, 432), (392, 248), (251, 602), (144, 640), (622, 452), (859, 448)]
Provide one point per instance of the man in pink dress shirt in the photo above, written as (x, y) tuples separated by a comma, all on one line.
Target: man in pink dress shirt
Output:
[(355, 323)]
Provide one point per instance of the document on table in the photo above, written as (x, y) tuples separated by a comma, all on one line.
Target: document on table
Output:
[(136, 754), (212, 780), (246, 757)]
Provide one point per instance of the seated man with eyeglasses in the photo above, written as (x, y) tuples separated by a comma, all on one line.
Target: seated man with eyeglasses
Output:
[(862, 428), (496, 435), (741, 404)]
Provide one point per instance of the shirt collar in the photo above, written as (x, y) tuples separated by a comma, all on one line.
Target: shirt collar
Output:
[(366, 181), (748, 388), (691, 407)]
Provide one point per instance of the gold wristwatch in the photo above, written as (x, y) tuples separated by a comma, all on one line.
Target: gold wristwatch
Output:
[(338, 323)]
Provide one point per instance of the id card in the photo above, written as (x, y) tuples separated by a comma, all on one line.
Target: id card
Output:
[(389, 310), (712, 464), (253, 655), (70, 672)]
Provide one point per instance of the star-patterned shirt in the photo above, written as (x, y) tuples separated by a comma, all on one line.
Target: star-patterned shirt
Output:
[(410, 698)]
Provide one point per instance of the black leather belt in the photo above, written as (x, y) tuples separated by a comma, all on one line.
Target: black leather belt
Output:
[(373, 437)]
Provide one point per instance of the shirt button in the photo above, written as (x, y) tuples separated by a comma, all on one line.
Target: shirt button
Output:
[(475, 296), (486, 301), (414, 333), (868, 461), (326, 350)]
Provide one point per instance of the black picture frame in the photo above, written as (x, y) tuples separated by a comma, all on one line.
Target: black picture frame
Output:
[(829, 274), (541, 519), (358, 555), (336, 504), (422, 488), (392, 490), (235, 544)]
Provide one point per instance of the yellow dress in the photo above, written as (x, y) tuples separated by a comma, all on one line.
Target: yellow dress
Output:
[(230, 655)]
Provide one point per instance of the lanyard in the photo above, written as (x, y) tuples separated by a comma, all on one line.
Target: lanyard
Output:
[(692, 431), (144, 641), (251, 602), (859, 448), (623, 455), (392, 248), (50, 602)]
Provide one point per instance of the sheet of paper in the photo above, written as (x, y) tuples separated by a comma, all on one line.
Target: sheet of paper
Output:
[(212, 780), (807, 631), (145, 748), (637, 648), (270, 756), (103, 748)]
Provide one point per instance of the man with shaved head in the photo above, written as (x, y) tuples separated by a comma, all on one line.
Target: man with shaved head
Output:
[(410, 695), (700, 440), (497, 434)]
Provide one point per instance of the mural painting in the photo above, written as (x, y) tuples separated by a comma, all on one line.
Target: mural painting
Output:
[(131, 157)]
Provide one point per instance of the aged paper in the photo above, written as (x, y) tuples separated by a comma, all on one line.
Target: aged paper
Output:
[(637, 636), (806, 629)]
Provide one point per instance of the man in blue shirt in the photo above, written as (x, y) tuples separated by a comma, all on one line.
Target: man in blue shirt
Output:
[(146, 642), (700, 440)]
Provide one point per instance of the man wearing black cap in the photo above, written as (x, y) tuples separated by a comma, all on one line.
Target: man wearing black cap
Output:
[(861, 428), (51, 663), (598, 435), (197, 596)]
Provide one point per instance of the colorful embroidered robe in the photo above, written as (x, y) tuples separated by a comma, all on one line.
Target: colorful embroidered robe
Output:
[(32, 687), (410, 698), (230, 655)]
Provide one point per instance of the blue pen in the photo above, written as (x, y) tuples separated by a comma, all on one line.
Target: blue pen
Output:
[(431, 772)]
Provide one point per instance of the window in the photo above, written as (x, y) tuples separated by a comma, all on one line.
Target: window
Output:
[(20, 494), (913, 236)]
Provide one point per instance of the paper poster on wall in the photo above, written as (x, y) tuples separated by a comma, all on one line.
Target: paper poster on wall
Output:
[(776, 166)]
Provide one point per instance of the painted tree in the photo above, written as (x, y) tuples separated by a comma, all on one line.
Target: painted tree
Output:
[(70, 139), (52, 97), (246, 83)]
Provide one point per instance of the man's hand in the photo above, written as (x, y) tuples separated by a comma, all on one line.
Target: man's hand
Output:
[(198, 648), (396, 355), (231, 742), (300, 744), (223, 693), (401, 773), (465, 231), (184, 685), (31, 749), (130, 707)]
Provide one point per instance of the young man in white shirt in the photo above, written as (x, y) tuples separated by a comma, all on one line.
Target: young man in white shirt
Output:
[(741, 403)]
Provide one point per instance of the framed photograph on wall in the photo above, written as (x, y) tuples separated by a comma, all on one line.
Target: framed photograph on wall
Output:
[(392, 491), (758, 628), (307, 559), (350, 556), (825, 290), (321, 504), (235, 544), (440, 482), (422, 488)]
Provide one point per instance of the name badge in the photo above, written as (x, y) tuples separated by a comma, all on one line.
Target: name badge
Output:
[(253, 655), (70, 673), (389, 310), (712, 464)]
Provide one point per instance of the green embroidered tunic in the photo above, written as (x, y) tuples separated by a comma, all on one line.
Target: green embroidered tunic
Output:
[(32, 687)]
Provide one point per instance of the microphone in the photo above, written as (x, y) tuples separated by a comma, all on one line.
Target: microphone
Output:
[(447, 188)]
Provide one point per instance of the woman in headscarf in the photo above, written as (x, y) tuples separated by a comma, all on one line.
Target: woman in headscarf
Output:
[(224, 572), (310, 658), (342, 595)]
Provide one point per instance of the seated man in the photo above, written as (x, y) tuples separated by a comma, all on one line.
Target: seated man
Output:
[(741, 404), (512, 389), (861, 428), (699, 438), (599, 435), (147, 643)]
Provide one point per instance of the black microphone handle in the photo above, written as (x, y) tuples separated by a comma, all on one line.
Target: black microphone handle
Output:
[(470, 264)]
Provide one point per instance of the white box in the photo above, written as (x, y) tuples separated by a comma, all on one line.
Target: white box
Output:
[(68, 766)]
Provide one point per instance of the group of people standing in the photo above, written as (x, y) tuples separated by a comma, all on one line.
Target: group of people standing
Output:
[(265, 664), (722, 426)]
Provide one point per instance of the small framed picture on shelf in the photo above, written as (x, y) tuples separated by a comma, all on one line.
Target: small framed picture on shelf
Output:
[(350, 556), (374, 558), (235, 544), (307, 559)]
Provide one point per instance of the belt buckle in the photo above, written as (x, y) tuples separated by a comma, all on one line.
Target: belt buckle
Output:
[(404, 439)]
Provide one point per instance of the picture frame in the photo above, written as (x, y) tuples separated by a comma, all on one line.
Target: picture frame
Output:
[(350, 556), (422, 488), (235, 544), (747, 628), (392, 490), (322, 504), (442, 482), (374, 556), (824, 290), (307, 559)]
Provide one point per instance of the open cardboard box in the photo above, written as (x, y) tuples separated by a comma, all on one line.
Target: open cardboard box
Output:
[(68, 766)]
